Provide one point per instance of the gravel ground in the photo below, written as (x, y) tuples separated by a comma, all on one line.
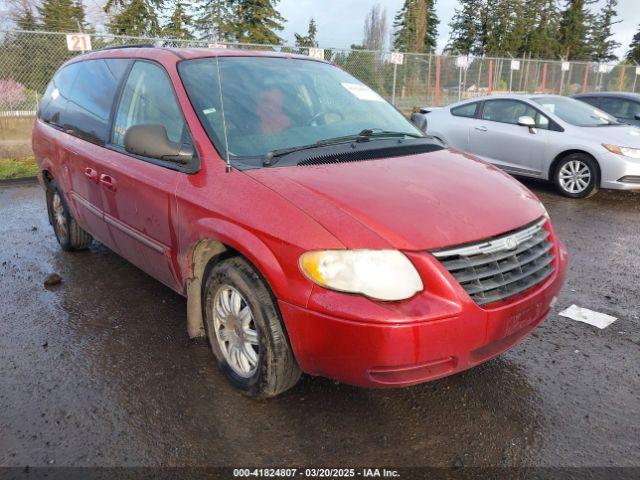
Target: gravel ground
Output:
[(98, 370)]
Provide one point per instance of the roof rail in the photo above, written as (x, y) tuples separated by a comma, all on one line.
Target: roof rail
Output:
[(136, 45)]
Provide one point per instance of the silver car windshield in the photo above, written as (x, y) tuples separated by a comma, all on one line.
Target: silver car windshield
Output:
[(250, 106), (576, 112)]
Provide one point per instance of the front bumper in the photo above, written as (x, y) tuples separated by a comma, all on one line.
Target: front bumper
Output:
[(618, 172), (419, 340)]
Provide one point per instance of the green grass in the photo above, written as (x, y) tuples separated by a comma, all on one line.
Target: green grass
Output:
[(17, 168)]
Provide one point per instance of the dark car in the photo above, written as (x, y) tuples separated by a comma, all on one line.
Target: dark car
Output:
[(624, 106)]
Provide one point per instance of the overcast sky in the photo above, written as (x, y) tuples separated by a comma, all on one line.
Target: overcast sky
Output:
[(340, 22)]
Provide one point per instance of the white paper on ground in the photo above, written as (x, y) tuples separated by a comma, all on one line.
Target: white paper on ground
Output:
[(597, 319)]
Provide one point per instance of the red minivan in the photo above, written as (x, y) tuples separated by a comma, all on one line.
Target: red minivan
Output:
[(310, 226)]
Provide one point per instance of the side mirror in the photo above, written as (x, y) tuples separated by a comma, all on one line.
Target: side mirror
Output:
[(419, 119), (152, 141), (527, 121), (637, 116)]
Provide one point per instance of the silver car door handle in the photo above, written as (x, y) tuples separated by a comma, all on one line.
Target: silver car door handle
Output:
[(481, 129)]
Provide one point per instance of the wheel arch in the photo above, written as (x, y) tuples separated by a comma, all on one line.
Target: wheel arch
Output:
[(228, 240), (47, 178), (554, 164)]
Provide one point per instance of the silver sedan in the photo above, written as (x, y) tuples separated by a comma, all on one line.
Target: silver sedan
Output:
[(575, 145)]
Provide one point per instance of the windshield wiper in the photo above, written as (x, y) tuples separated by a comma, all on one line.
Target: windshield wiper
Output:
[(366, 135)]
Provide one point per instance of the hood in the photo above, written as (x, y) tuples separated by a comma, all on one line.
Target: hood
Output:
[(416, 202), (622, 136)]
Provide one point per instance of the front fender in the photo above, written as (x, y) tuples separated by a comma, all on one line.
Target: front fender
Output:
[(262, 255), (219, 235)]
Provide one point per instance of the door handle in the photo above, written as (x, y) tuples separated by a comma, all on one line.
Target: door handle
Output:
[(108, 181), (481, 128), (91, 174)]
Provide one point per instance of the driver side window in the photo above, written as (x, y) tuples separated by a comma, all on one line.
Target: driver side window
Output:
[(509, 111), (148, 98)]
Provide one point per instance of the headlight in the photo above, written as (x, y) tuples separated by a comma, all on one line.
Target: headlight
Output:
[(626, 151), (379, 274)]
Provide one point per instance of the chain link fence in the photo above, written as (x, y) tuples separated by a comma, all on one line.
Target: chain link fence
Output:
[(28, 59)]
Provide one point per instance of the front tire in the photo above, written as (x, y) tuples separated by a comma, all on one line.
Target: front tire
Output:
[(577, 176), (69, 234), (245, 330)]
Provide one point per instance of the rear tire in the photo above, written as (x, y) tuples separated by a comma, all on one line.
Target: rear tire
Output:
[(577, 176), (69, 234), (246, 332)]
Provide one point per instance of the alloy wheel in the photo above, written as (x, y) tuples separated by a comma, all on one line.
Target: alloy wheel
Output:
[(235, 331), (59, 216), (575, 176)]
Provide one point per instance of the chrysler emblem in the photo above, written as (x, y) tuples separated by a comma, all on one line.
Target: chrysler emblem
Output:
[(511, 243)]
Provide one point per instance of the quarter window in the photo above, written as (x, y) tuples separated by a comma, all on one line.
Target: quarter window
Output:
[(468, 110), (148, 98), (509, 111)]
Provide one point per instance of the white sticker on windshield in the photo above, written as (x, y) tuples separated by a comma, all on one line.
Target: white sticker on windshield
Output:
[(362, 92)]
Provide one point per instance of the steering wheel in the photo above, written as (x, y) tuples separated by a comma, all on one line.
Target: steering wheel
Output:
[(313, 121)]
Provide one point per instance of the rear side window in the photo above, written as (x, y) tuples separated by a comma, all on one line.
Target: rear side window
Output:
[(468, 110), (148, 99), (620, 107), (595, 101), (54, 100), (93, 94), (80, 96)]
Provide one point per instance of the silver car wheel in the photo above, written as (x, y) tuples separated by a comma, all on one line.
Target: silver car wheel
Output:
[(575, 176), (59, 216), (235, 331)]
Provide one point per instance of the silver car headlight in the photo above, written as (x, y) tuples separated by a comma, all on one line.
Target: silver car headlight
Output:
[(378, 274), (625, 151)]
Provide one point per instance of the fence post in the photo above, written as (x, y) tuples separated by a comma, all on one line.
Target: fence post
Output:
[(543, 86), (436, 100), (429, 76), (510, 73), (490, 75), (635, 77), (393, 89), (460, 83), (621, 84), (586, 78)]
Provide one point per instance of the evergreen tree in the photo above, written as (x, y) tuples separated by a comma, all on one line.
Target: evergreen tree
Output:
[(573, 30), (501, 27), (213, 19), (600, 38), (541, 18), (504, 27), (256, 21), (134, 17), (464, 27), (633, 55), (416, 25), (62, 15), (179, 23), (24, 18), (308, 40)]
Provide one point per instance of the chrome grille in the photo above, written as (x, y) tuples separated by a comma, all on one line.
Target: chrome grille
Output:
[(503, 266)]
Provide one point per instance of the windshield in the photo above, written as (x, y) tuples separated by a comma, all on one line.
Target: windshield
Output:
[(576, 112), (268, 104)]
